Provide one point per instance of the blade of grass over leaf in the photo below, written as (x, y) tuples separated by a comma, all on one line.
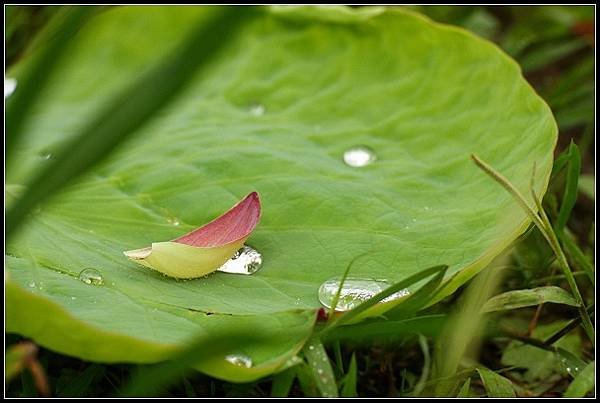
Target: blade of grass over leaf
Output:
[(496, 385), (570, 194), (317, 358), (32, 83), (348, 316), (336, 298), (529, 297), (417, 300), (129, 111), (583, 383), (149, 380), (460, 337), (542, 222), (389, 330)]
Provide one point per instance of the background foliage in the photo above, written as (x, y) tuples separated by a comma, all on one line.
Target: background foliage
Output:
[(523, 348)]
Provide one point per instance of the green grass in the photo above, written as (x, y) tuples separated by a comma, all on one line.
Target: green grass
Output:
[(543, 350)]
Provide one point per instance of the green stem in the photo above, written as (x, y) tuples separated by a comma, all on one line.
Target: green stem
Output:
[(542, 222)]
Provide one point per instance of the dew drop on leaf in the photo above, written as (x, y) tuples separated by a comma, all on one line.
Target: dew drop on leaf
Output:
[(354, 292), (10, 84), (246, 260), (91, 276), (240, 360), (359, 156), (257, 109)]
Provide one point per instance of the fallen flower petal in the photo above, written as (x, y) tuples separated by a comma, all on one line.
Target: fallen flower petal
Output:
[(205, 249)]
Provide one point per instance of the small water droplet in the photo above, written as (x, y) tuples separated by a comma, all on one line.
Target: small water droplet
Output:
[(414, 220), (257, 109), (320, 371), (354, 292), (73, 298), (46, 155), (426, 208), (359, 156), (31, 284), (311, 347), (10, 84), (246, 260), (240, 360), (173, 221), (91, 276)]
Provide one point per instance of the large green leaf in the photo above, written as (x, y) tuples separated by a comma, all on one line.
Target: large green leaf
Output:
[(274, 113)]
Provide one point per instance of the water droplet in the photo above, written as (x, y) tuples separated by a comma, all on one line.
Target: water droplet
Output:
[(246, 260), (414, 220), (311, 347), (354, 292), (320, 371), (46, 155), (73, 298), (10, 84), (257, 109), (91, 276), (31, 284), (173, 221), (359, 156), (426, 208), (240, 360)]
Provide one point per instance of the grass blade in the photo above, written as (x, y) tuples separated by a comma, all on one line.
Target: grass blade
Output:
[(417, 300), (129, 111), (545, 228), (36, 77), (578, 257), (336, 298), (388, 330), (570, 195), (282, 383), (306, 380), (426, 366), (461, 335), (583, 383), (529, 297), (350, 315), (568, 327), (321, 367), (465, 390), (496, 385), (350, 380)]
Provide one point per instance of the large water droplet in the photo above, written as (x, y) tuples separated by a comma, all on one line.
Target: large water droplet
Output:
[(240, 360), (91, 276), (257, 109), (354, 292), (246, 260), (10, 84), (359, 156)]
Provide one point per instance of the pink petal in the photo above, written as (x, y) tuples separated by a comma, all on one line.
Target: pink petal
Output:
[(235, 224)]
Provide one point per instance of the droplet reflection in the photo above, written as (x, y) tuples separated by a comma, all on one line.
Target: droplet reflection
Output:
[(246, 260), (354, 292), (359, 156)]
